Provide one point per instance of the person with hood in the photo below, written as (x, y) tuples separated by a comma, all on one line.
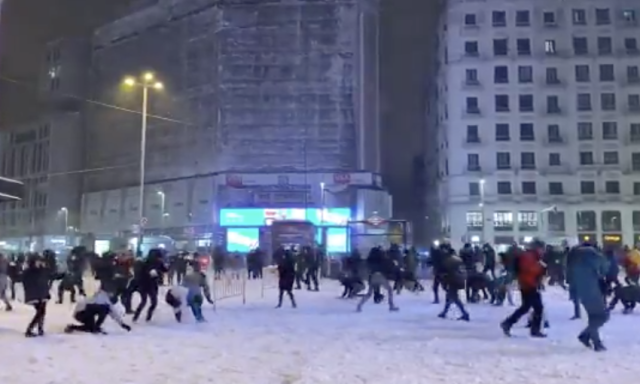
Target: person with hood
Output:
[(91, 313), (436, 257), (148, 277), (287, 276), (489, 261), (453, 279), (588, 270), (529, 272), (381, 270), (35, 281), (4, 282), (192, 292)]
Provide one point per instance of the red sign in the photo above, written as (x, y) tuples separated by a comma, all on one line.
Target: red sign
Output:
[(234, 180), (342, 178)]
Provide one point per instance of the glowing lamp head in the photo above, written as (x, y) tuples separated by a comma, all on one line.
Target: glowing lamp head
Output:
[(129, 82)]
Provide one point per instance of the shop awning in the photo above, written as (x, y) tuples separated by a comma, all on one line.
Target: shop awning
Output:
[(11, 190)]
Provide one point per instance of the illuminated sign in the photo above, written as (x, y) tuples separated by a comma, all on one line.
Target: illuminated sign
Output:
[(242, 239), (251, 217)]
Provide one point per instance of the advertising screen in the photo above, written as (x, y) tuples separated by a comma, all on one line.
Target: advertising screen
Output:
[(242, 239), (240, 217), (337, 240)]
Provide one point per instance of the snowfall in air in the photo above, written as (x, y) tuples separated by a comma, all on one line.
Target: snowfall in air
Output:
[(323, 341)]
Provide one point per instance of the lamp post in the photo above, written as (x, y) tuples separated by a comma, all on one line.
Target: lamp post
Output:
[(65, 214), (145, 82), (322, 202), (483, 212)]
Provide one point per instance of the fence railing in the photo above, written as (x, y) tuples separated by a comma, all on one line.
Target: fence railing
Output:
[(236, 284)]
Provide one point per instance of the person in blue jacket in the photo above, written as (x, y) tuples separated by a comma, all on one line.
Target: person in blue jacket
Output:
[(588, 272)]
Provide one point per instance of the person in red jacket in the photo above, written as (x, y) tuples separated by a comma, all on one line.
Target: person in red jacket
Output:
[(529, 273)]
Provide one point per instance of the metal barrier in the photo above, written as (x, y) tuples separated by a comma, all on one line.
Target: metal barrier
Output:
[(235, 284)]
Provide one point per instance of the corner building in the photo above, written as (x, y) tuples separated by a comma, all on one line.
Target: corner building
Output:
[(538, 121)]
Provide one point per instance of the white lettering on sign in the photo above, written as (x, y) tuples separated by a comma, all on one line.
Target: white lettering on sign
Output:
[(342, 178)]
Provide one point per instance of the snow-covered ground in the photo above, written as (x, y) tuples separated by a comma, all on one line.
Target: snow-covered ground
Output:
[(323, 341)]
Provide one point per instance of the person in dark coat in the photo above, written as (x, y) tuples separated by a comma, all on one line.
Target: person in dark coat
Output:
[(382, 270), (35, 280), (453, 279), (588, 272), (286, 278), (148, 278)]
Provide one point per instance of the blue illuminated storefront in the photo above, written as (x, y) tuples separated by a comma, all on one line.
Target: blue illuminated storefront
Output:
[(248, 228)]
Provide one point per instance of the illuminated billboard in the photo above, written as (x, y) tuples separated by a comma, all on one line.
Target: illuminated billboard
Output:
[(251, 217), (242, 239)]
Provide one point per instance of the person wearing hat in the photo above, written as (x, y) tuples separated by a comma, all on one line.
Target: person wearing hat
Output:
[(92, 312)]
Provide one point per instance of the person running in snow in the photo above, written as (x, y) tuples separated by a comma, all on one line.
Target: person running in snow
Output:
[(148, 277), (92, 312), (286, 278), (35, 281), (4, 282), (192, 292)]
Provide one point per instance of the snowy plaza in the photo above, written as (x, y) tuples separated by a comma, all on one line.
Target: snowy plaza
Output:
[(322, 341)]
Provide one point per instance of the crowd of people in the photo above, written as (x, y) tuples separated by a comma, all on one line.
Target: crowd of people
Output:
[(589, 274)]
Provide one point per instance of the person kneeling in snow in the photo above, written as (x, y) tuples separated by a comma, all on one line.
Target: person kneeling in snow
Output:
[(92, 312), (192, 292)]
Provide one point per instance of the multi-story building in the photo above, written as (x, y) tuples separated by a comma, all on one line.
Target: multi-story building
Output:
[(538, 108), (266, 104)]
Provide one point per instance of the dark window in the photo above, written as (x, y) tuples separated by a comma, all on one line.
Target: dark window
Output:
[(580, 46), (501, 74), (554, 159), (553, 104), (612, 187), (474, 189), (586, 221), (524, 47), (586, 158), (585, 131), (471, 48), (528, 187), (607, 72), (549, 18), (587, 187), (555, 221), (472, 105), (527, 132), (605, 45), (608, 101), (556, 188), (635, 161), (579, 17), (526, 103), (499, 18), (470, 19), (582, 74), (610, 130), (611, 221), (636, 192), (503, 160), (552, 76), (553, 133), (631, 45), (584, 102), (504, 187), (502, 132), (603, 17), (633, 102), (473, 162), (528, 160), (502, 103), (523, 18), (610, 158), (500, 47), (471, 76), (473, 135), (525, 74)]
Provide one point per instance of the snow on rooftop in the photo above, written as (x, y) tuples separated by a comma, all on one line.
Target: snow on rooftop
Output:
[(323, 341)]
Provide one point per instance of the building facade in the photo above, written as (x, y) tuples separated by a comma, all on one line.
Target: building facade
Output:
[(45, 156), (538, 121), (272, 91)]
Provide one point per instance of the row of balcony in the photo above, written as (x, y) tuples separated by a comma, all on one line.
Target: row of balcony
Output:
[(472, 141), (556, 83), (554, 170), (542, 54), (633, 110)]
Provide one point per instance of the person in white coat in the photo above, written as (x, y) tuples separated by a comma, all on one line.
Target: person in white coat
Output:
[(92, 312), (192, 292)]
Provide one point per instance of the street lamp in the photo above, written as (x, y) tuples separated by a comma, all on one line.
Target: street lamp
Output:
[(483, 213), (145, 82), (162, 213), (65, 214), (322, 195)]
